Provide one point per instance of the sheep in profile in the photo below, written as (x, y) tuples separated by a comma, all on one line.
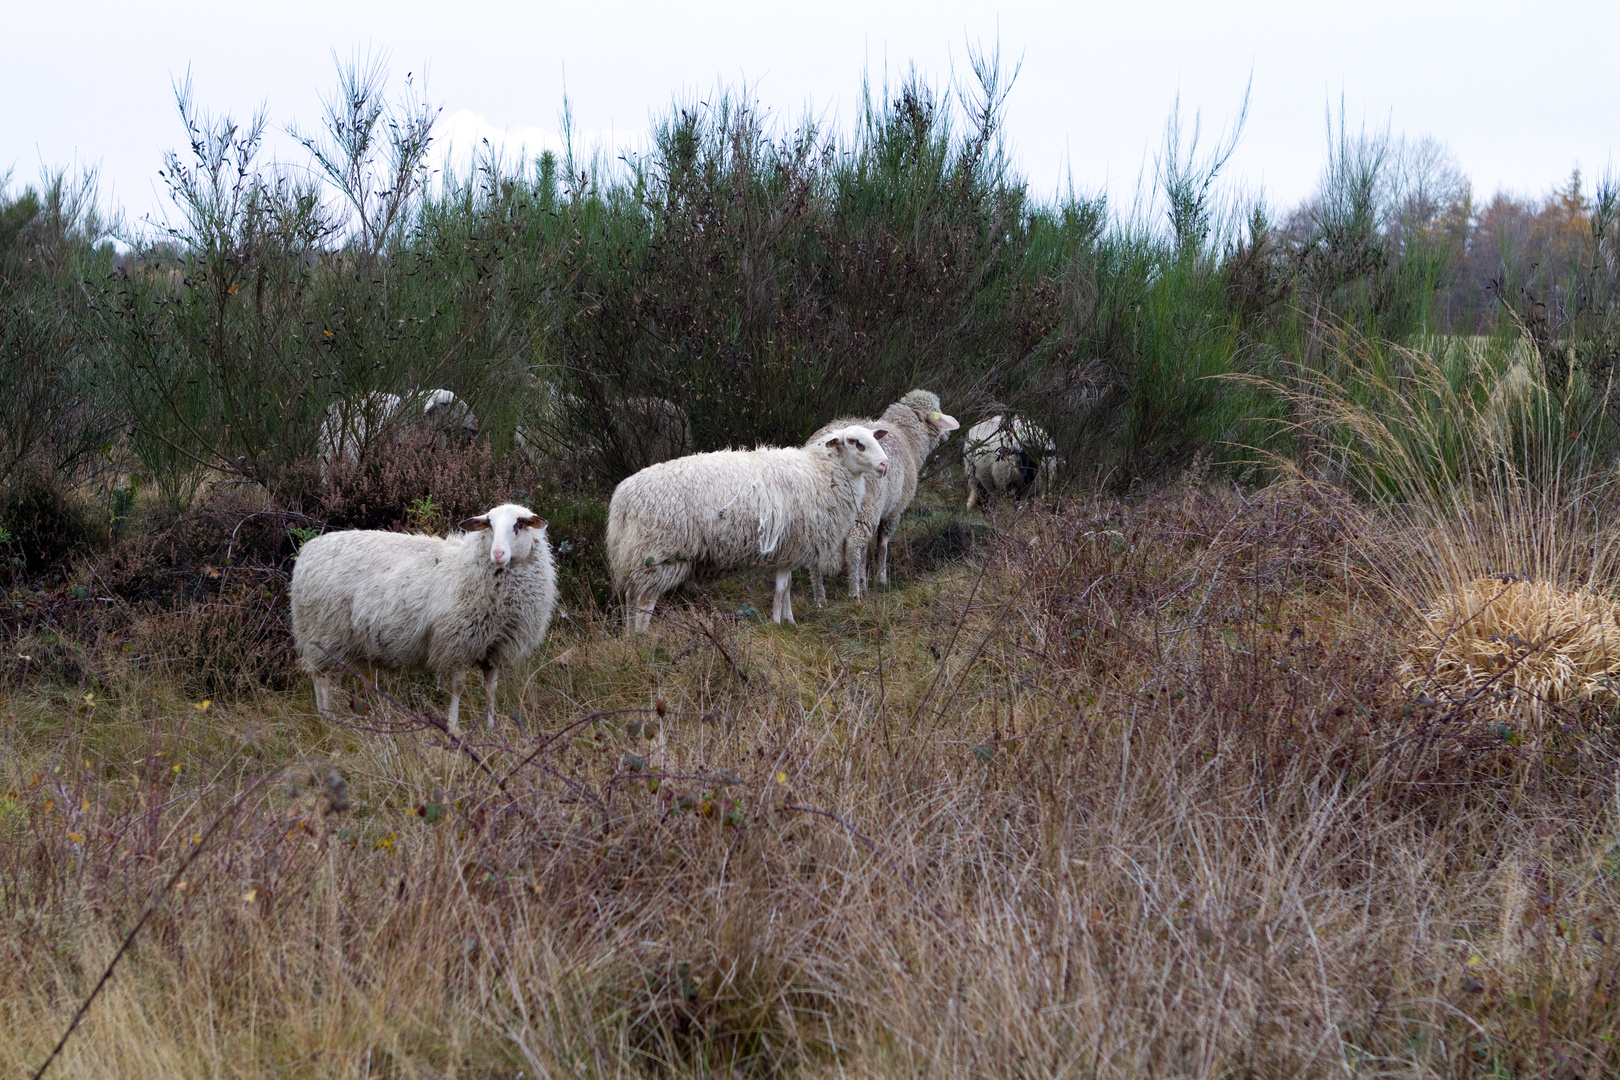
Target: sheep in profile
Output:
[(449, 416), (348, 425), (406, 602), (708, 515), (1008, 455), (916, 426)]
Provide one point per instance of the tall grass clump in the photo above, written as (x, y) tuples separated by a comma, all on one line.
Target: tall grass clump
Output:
[(1458, 431), (1507, 486)]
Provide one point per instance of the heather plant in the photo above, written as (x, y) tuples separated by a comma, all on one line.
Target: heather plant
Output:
[(419, 484)]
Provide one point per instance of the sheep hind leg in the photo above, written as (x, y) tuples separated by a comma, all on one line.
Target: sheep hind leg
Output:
[(782, 606), (818, 587), (885, 530), (645, 587), (639, 604)]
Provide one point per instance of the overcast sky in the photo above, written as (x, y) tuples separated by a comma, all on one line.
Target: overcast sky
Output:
[(1520, 93)]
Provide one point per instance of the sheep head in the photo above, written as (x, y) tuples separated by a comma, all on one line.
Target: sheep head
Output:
[(446, 412), (514, 531), (860, 449), (925, 403)]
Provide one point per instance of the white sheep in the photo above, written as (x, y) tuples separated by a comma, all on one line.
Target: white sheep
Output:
[(449, 416), (707, 515), (348, 425), (916, 427), (482, 598), (1008, 455)]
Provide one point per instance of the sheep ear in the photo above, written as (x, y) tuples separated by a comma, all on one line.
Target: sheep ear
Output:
[(945, 423), (533, 521), (880, 434), (832, 444), (475, 524)]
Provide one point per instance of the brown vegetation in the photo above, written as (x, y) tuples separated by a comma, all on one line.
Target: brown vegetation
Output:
[(1131, 793)]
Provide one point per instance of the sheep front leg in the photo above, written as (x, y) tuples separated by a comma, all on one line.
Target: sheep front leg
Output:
[(855, 561), (453, 722), (818, 588), (323, 694), (492, 675), (782, 606)]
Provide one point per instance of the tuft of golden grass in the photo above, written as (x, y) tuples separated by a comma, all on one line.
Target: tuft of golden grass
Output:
[(1518, 648)]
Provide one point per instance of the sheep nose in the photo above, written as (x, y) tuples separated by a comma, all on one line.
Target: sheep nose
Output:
[(501, 556), (883, 468)]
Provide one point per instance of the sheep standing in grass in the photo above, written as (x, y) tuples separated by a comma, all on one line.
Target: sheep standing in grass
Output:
[(406, 602), (707, 515), (449, 416), (349, 424), (1008, 455), (916, 427)]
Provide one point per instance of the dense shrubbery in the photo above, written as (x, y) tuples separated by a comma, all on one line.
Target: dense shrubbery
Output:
[(763, 278)]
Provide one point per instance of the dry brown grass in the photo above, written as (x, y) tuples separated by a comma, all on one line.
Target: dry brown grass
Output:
[(1515, 649), (1132, 793)]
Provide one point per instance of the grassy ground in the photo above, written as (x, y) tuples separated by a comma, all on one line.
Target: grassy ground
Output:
[(1115, 789)]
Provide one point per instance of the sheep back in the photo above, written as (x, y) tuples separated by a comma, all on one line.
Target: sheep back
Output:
[(732, 510)]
